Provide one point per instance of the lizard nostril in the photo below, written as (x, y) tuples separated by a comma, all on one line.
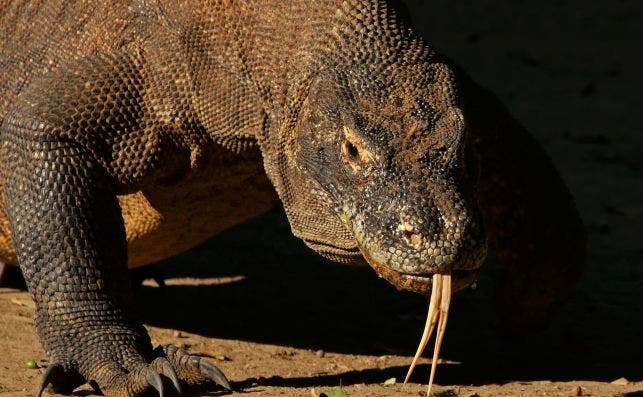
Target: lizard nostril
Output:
[(414, 238), (409, 234)]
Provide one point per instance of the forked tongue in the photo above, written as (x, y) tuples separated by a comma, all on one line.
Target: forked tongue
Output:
[(438, 313)]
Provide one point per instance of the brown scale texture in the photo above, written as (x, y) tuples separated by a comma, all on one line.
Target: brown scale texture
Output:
[(133, 130)]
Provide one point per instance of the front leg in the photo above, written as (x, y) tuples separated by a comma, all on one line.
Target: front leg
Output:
[(70, 240)]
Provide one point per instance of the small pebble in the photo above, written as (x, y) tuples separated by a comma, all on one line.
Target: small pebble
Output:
[(576, 391), (320, 353)]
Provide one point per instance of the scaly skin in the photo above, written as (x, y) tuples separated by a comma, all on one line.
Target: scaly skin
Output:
[(133, 130)]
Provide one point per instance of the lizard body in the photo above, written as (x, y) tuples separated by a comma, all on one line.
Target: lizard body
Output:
[(133, 130)]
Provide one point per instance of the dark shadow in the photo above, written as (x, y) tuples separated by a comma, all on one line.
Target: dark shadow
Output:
[(369, 376), (83, 393), (11, 277), (284, 294), (449, 374)]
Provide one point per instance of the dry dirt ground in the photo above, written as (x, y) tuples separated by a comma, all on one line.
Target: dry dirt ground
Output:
[(571, 71)]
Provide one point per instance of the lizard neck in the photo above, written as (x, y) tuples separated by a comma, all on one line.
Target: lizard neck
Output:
[(274, 45)]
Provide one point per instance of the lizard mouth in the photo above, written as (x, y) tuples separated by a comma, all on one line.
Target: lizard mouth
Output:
[(418, 283), (421, 283)]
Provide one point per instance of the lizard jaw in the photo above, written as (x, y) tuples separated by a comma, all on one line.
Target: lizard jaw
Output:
[(420, 283)]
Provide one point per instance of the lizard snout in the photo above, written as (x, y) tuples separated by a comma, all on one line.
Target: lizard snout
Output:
[(413, 242)]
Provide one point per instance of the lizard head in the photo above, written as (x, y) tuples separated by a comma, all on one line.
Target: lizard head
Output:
[(381, 169)]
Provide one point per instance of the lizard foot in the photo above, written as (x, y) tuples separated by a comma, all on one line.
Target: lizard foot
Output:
[(171, 362)]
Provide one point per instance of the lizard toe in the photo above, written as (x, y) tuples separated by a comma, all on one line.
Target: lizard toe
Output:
[(137, 376), (163, 366), (58, 379), (194, 370), (171, 363), (140, 380), (154, 380)]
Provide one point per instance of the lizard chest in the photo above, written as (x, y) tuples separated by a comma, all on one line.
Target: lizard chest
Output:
[(179, 212)]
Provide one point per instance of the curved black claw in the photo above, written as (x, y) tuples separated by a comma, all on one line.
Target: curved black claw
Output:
[(53, 371), (171, 362), (211, 372), (155, 381), (60, 380), (165, 368), (194, 369)]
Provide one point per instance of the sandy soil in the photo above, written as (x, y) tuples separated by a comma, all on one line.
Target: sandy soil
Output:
[(570, 70)]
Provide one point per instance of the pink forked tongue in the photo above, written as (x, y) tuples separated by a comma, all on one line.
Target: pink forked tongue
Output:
[(438, 313)]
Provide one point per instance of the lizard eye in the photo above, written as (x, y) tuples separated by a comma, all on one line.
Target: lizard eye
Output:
[(351, 149), (354, 154)]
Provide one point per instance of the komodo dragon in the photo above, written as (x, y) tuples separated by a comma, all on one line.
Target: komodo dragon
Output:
[(133, 130)]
